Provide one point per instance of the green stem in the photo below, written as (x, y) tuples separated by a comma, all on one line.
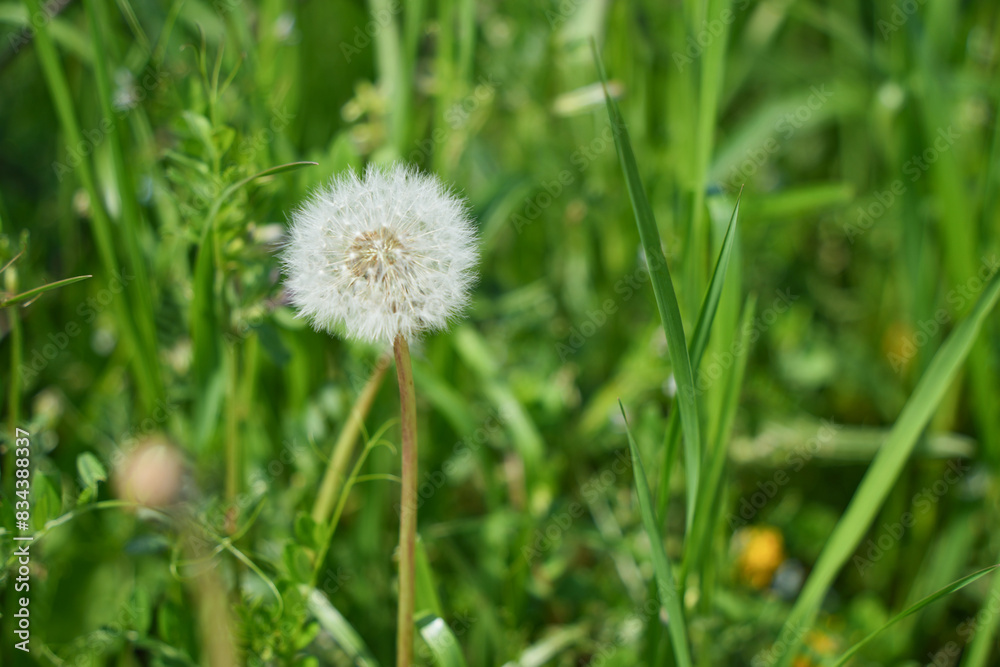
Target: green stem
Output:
[(407, 505), (14, 397), (342, 450), (233, 464), (13, 422)]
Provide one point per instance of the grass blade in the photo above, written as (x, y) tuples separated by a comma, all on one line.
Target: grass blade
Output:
[(699, 341), (982, 644), (147, 374), (435, 632), (661, 564), (554, 644), (441, 640), (666, 298), (718, 454), (885, 469), (706, 315), (343, 632), (38, 291), (131, 216), (933, 597)]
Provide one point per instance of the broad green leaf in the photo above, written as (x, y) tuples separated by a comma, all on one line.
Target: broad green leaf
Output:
[(666, 298), (661, 563), (933, 597), (885, 470)]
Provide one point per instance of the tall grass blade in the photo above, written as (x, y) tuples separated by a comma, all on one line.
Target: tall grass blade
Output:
[(710, 305), (661, 563), (342, 632), (711, 498), (885, 470), (441, 640), (34, 292), (982, 644), (58, 85), (699, 341), (666, 298), (131, 217), (933, 597)]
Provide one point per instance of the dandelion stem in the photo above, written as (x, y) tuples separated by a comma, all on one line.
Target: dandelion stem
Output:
[(408, 505), (344, 447)]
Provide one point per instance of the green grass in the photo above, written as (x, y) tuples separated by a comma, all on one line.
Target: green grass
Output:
[(752, 243)]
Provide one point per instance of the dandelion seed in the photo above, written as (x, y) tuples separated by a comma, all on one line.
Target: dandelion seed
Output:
[(384, 255)]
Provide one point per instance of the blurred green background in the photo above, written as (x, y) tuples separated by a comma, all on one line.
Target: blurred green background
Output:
[(864, 136)]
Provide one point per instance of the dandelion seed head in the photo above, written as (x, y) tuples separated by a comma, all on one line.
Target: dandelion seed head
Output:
[(388, 253)]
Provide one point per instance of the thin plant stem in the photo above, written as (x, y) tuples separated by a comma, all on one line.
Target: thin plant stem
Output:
[(213, 608), (339, 509), (344, 447), (13, 423), (407, 505), (14, 397), (233, 462)]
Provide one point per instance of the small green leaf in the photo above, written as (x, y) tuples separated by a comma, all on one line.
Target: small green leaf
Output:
[(306, 636), (201, 129), (91, 470), (46, 502), (88, 495), (297, 562), (307, 531)]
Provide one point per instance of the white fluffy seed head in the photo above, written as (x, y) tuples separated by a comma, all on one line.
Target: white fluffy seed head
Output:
[(390, 253)]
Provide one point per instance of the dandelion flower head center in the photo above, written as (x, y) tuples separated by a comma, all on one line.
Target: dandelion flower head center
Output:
[(374, 255)]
